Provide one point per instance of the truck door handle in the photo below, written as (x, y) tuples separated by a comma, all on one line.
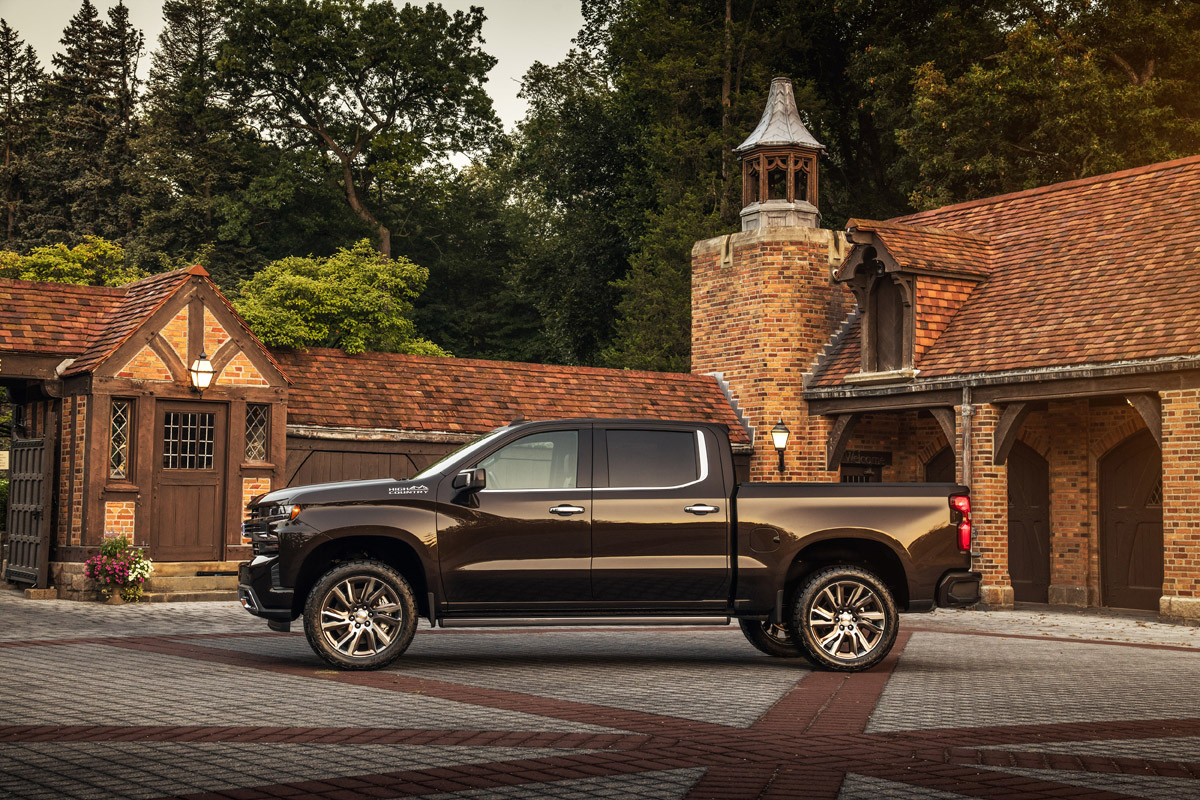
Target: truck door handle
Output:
[(701, 509), (566, 511)]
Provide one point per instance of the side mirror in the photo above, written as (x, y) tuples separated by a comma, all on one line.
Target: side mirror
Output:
[(470, 480)]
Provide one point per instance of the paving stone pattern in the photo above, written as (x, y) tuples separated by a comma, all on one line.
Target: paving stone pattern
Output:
[(201, 701)]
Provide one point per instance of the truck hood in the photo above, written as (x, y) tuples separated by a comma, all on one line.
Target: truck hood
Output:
[(348, 492)]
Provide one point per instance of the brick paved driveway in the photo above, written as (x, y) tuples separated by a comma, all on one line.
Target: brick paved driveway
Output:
[(200, 700)]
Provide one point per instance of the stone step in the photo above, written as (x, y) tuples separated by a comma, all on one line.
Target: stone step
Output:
[(190, 583), (172, 569), (188, 597)]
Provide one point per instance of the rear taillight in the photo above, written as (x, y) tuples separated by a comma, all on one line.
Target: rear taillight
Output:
[(960, 505)]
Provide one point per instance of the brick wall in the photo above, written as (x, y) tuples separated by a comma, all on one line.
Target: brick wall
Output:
[(214, 334), (763, 307), (239, 371), (254, 486), (1181, 504), (913, 440), (118, 519), (989, 508), (1071, 531), (78, 473), (146, 366), (65, 451), (176, 334)]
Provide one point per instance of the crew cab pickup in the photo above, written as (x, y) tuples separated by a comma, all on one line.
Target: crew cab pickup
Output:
[(605, 521)]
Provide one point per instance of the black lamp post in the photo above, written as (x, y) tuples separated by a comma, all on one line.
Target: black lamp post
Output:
[(779, 437)]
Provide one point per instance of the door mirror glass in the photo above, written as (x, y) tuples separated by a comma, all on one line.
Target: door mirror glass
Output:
[(470, 480)]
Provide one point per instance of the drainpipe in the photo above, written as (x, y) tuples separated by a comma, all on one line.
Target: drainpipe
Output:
[(968, 411)]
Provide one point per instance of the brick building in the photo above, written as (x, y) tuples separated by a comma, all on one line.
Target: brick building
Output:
[(113, 435), (1042, 347)]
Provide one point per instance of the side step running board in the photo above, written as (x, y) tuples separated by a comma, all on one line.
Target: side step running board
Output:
[(522, 622)]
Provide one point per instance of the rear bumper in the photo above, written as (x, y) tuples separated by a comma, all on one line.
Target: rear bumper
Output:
[(259, 590), (959, 588)]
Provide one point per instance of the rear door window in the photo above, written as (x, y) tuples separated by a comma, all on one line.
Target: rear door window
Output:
[(650, 458)]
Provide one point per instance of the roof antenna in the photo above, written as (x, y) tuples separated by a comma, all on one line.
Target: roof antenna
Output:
[(518, 419)]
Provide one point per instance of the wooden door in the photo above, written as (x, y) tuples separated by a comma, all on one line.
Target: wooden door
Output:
[(1131, 528), (31, 478), (189, 482), (1028, 524)]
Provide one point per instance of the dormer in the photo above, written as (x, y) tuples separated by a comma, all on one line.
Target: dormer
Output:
[(908, 282)]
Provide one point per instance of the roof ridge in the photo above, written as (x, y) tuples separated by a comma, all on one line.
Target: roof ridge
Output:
[(872, 224), (80, 288), (1054, 187), (484, 362)]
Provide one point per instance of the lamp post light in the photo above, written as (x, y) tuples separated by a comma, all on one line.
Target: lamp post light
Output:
[(201, 372), (779, 437)]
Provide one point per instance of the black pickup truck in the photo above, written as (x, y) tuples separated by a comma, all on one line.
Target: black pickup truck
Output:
[(609, 522)]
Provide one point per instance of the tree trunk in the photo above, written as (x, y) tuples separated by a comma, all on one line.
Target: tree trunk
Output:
[(726, 81), (381, 230)]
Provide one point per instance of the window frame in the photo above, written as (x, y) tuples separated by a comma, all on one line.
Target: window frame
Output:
[(605, 476), (266, 434), (130, 418), (583, 476)]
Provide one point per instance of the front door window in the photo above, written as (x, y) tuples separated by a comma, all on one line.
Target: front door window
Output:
[(188, 439)]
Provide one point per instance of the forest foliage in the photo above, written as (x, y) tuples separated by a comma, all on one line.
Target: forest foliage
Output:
[(273, 137)]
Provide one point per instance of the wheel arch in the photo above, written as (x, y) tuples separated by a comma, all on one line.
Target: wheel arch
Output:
[(850, 549), (387, 547)]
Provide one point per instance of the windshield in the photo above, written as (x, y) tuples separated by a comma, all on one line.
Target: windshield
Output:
[(470, 447)]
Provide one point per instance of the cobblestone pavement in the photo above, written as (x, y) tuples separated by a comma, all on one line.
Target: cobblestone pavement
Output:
[(199, 700)]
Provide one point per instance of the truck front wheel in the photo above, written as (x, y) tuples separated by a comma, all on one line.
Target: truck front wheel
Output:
[(845, 619), (360, 615)]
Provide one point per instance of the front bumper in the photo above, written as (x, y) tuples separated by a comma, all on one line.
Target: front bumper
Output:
[(958, 588), (259, 590)]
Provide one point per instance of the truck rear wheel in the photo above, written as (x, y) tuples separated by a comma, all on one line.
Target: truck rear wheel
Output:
[(774, 640), (845, 619), (360, 615)]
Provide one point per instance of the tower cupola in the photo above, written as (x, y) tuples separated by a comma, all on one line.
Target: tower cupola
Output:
[(779, 166)]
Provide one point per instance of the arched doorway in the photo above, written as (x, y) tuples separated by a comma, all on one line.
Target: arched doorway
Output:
[(940, 468), (1028, 524), (1131, 531)]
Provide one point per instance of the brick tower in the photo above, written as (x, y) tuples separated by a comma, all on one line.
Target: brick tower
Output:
[(764, 303)]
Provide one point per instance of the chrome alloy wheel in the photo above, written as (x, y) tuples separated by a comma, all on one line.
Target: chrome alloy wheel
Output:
[(846, 620), (360, 616)]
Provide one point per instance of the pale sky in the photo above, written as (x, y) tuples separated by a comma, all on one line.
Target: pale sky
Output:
[(517, 33)]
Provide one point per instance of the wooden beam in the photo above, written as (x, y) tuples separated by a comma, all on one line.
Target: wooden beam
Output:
[(1149, 406), (899, 401), (1007, 430), (945, 419), (839, 437)]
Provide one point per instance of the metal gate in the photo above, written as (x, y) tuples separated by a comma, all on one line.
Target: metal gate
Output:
[(30, 483)]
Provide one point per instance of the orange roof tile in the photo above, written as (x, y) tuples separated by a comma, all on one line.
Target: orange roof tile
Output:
[(920, 248), (459, 395), (55, 319), (1091, 271)]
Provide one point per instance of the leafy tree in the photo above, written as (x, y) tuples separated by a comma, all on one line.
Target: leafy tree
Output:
[(20, 86), (374, 87), (93, 262), (357, 299), (1078, 89)]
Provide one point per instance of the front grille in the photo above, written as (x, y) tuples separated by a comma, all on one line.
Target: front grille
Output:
[(259, 529)]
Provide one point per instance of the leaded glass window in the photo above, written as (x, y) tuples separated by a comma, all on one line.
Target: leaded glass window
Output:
[(256, 432), (118, 439), (188, 440)]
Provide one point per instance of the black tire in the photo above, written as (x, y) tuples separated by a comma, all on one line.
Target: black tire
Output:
[(360, 615), (845, 619), (774, 640)]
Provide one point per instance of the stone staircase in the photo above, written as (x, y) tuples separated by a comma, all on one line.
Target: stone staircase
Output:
[(184, 581)]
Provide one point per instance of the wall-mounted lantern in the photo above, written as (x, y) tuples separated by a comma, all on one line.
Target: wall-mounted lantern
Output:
[(201, 372), (779, 437)]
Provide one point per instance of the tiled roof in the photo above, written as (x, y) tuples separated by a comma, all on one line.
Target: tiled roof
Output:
[(141, 299), (1091, 271), (922, 248), (459, 395), (54, 319)]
